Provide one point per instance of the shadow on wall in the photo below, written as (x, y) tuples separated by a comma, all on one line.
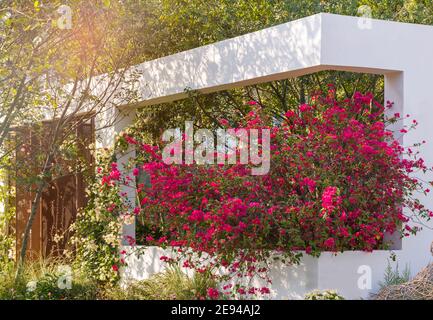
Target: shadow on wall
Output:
[(296, 45)]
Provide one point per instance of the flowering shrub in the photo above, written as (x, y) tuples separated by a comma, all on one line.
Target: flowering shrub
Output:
[(97, 229), (338, 181)]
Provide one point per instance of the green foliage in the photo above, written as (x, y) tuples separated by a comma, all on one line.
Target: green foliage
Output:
[(172, 26), (204, 22), (394, 276), (46, 280), (47, 288), (52, 280), (97, 230), (412, 11), (42, 68), (172, 284), (7, 239), (323, 295)]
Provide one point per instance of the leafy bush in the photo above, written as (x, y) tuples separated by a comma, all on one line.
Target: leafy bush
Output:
[(9, 289), (323, 295), (97, 230), (50, 287), (46, 280), (7, 213), (6, 251)]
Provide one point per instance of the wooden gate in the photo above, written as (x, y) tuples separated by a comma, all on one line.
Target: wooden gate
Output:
[(61, 199)]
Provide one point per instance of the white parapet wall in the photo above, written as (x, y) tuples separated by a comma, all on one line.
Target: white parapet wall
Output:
[(402, 52), (354, 274), (289, 282)]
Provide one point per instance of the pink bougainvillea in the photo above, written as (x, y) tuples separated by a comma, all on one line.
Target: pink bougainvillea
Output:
[(213, 293), (339, 180)]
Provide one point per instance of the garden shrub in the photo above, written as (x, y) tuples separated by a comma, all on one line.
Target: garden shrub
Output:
[(97, 229), (47, 288), (51, 279), (338, 181), (323, 295)]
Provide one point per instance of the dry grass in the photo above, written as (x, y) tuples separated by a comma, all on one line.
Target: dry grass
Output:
[(172, 284), (419, 288)]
